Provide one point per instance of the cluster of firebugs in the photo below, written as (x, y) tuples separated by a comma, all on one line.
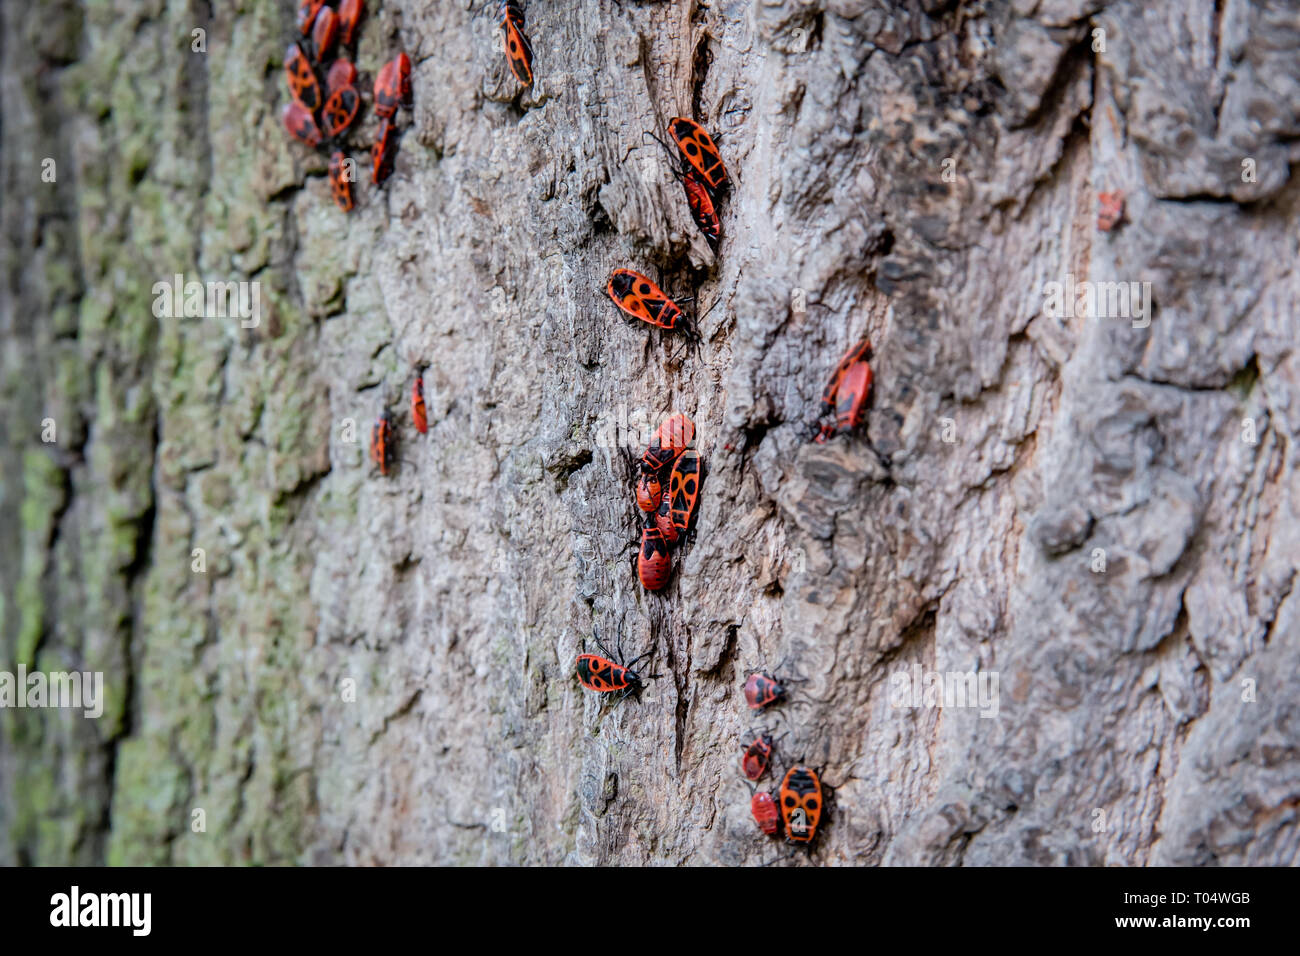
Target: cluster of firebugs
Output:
[(798, 803), (320, 115)]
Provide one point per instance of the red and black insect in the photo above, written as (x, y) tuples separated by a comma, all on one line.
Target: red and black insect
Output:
[(325, 34), (766, 815), (675, 433), (1110, 210), (664, 521), (604, 675), (519, 52), (382, 450), (384, 152), (654, 563), (350, 12), (763, 690), (698, 198), (700, 152), (649, 492), (301, 77), (341, 179), (307, 11), (418, 413), (702, 208), (850, 401), (802, 804), (393, 86), (684, 489), (859, 351), (757, 756), (340, 110), (298, 121), (642, 299), (342, 73)]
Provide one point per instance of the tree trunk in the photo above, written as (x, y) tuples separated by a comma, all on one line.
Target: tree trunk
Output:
[(1083, 496)]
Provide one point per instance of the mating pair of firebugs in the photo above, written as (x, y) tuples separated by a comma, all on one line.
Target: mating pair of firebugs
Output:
[(392, 89), (703, 175), (382, 447), (672, 513)]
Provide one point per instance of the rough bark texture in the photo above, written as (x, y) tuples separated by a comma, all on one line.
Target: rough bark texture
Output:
[(1025, 451)]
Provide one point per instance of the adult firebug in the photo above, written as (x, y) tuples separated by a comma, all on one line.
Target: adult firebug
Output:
[(519, 52), (801, 802), (393, 86), (301, 77), (684, 489), (699, 150), (340, 181), (418, 413), (383, 152), (672, 437), (350, 12), (382, 450), (654, 563), (604, 674), (340, 110), (325, 34)]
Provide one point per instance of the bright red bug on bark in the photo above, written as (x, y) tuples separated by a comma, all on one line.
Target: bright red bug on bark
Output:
[(664, 521), (384, 152), (393, 86), (342, 73), (763, 807), (350, 12), (303, 84), (325, 34), (298, 121), (762, 690), (654, 564), (418, 412), (754, 761), (850, 401), (649, 492), (307, 11), (340, 183)]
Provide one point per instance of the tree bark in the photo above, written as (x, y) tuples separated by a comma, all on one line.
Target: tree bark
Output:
[(1097, 508)]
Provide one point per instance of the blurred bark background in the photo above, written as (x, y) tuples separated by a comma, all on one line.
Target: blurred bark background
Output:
[(1102, 513)]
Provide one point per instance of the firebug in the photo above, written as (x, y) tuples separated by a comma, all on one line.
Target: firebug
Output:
[(349, 16), (302, 78), (298, 121), (418, 413), (519, 52), (340, 184)]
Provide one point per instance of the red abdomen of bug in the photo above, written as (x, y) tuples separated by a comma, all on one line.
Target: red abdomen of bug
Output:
[(763, 807), (654, 563)]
